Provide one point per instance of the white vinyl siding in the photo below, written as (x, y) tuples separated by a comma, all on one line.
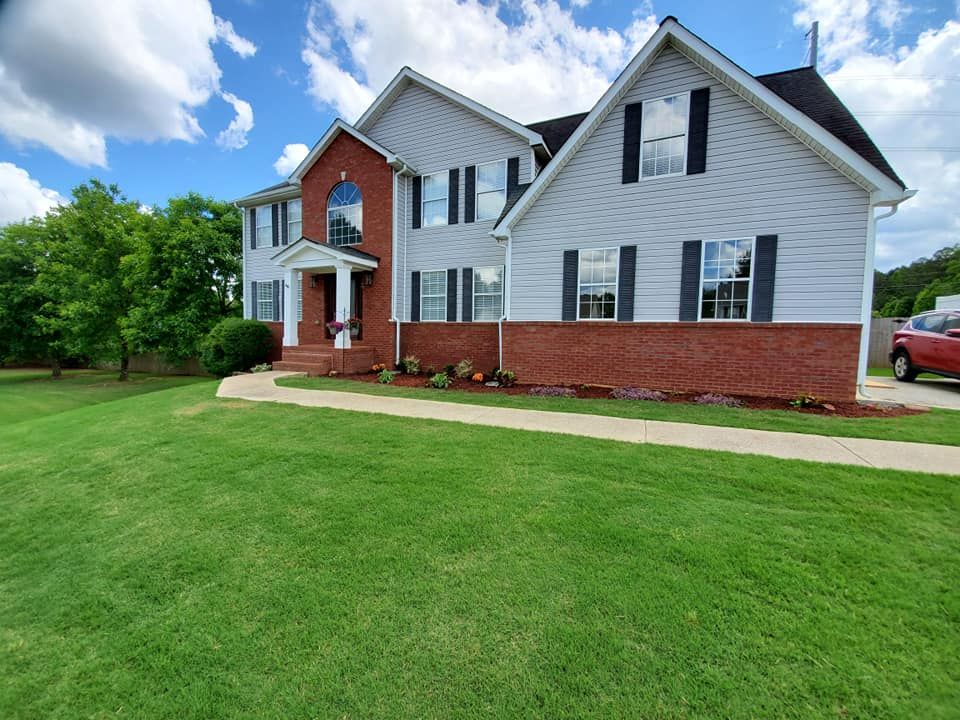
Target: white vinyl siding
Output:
[(491, 189), (433, 295), (434, 203), (759, 180), (664, 130), (258, 264), (487, 293), (726, 275), (264, 226), (265, 300), (597, 284), (294, 224)]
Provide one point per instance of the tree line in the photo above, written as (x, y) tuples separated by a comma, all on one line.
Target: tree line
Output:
[(914, 288), (103, 278)]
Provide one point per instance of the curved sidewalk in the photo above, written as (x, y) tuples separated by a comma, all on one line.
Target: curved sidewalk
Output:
[(918, 457)]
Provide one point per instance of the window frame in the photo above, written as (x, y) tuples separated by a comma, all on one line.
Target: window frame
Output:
[(444, 295), (477, 193), (423, 199), (475, 294), (616, 284), (268, 285), (268, 211), (358, 226), (290, 236), (686, 137), (753, 256)]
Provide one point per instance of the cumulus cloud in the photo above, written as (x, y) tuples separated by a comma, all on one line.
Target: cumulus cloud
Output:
[(240, 45), (234, 136), (904, 98), (292, 155), (74, 72), (542, 64), (22, 197)]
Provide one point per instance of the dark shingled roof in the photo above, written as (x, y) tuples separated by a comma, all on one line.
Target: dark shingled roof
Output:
[(556, 131), (512, 196), (346, 250), (809, 93)]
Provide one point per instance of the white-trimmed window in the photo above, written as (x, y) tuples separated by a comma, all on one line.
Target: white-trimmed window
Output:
[(294, 222), (265, 300), (664, 129), (434, 203), (491, 189), (598, 284), (299, 296), (488, 293), (726, 277), (345, 215), (433, 295), (264, 226)]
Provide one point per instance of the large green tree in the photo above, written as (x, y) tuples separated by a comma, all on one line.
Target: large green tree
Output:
[(914, 288), (20, 301)]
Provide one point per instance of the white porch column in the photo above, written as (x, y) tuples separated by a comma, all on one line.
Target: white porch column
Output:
[(290, 309), (342, 339)]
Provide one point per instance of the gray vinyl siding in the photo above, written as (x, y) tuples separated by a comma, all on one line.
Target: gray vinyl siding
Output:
[(759, 180), (434, 135), (258, 265)]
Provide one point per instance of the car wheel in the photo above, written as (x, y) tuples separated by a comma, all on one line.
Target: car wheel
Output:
[(903, 369)]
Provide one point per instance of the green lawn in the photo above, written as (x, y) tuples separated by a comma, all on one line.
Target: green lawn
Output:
[(172, 555), (25, 394), (936, 426)]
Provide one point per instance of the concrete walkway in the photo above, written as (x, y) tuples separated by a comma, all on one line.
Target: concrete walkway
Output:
[(939, 393), (795, 446)]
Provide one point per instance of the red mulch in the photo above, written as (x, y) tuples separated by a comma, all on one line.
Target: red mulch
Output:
[(839, 409)]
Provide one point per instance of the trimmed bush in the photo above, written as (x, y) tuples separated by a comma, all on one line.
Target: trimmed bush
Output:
[(717, 399), (235, 344)]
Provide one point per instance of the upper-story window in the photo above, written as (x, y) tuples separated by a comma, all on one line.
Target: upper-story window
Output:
[(345, 215), (435, 189), (264, 228), (491, 189), (725, 286), (294, 223), (664, 130), (598, 284)]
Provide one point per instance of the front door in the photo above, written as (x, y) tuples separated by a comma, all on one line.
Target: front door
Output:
[(356, 302)]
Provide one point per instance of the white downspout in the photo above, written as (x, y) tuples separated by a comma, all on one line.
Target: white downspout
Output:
[(505, 315), (393, 275)]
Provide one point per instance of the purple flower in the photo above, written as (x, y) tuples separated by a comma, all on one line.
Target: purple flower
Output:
[(552, 391), (717, 399), (632, 393)]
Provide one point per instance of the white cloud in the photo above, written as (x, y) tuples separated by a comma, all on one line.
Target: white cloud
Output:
[(291, 156), (74, 72), (239, 44), (900, 95), (22, 197), (234, 136), (541, 65)]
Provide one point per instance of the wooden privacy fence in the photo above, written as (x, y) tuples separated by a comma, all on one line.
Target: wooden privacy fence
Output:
[(881, 338)]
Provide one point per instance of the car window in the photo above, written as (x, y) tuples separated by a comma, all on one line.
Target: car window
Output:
[(951, 323), (928, 323)]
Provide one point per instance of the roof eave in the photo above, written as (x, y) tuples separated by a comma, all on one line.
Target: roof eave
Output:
[(336, 127)]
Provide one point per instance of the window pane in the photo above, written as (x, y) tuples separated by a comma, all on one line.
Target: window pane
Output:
[(435, 212), (296, 231), (729, 262), (490, 204), (264, 237), (491, 176), (433, 282), (344, 225), (665, 117), (707, 310), (740, 290), (434, 308), (346, 193), (435, 186), (598, 283), (293, 210), (738, 310), (488, 280), (487, 307)]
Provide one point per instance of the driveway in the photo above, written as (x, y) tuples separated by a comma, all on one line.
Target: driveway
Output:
[(931, 393)]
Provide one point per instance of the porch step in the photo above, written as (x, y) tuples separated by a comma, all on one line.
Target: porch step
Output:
[(307, 357), (310, 368)]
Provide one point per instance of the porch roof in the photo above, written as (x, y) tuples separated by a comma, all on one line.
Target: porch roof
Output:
[(309, 253)]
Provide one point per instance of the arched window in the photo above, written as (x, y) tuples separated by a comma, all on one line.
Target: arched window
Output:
[(345, 215)]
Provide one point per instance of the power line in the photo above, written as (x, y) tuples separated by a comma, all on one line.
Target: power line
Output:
[(948, 78), (921, 149), (910, 113)]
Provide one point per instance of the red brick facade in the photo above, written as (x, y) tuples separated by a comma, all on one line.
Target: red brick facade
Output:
[(438, 344)]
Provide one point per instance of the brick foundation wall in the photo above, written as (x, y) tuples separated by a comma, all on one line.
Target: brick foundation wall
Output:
[(438, 344), (276, 329), (768, 360)]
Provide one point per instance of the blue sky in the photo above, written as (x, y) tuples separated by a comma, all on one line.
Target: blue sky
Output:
[(156, 137)]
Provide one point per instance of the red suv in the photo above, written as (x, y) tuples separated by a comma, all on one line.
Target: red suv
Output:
[(929, 342)]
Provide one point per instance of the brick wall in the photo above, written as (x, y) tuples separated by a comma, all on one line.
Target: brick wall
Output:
[(276, 329), (769, 359), (438, 343)]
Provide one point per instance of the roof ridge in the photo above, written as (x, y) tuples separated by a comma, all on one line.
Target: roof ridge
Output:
[(791, 70)]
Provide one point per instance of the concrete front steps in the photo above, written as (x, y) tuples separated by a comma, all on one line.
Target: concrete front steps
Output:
[(321, 359)]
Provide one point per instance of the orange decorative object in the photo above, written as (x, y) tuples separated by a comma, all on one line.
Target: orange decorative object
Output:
[(477, 377)]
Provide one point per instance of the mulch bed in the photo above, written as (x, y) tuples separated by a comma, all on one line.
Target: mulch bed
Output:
[(840, 409)]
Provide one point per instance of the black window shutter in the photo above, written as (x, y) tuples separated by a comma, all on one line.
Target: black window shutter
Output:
[(284, 230), (626, 283), (764, 271), (253, 300), (632, 117), (275, 213), (690, 281), (470, 194), (453, 196), (277, 301), (415, 296), (467, 304), (253, 228), (513, 174), (452, 295), (417, 195), (571, 268), (697, 132)]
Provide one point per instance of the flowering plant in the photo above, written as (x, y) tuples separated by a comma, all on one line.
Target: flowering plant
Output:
[(334, 327)]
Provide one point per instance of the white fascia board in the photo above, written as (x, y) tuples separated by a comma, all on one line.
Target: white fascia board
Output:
[(291, 191), (407, 75), (328, 255), (822, 142), (338, 126)]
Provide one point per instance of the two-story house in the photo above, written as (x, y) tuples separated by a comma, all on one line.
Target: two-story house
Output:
[(699, 229)]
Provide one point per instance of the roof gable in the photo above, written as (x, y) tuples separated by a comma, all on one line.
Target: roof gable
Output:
[(339, 126)]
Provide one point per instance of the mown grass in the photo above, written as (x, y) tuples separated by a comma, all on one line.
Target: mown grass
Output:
[(175, 556), (26, 394), (937, 426)]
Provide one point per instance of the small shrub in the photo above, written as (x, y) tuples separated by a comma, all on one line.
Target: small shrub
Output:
[(410, 365), (478, 377), (717, 399), (633, 393), (548, 391), (385, 377), (440, 381), (378, 367), (450, 370), (507, 378), (464, 369), (262, 367), (806, 401), (235, 344)]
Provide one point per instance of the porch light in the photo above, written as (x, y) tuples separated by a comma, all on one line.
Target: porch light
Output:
[(314, 281), (367, 280)]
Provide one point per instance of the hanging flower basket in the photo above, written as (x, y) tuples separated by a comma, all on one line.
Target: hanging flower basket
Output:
[(335, 327)]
